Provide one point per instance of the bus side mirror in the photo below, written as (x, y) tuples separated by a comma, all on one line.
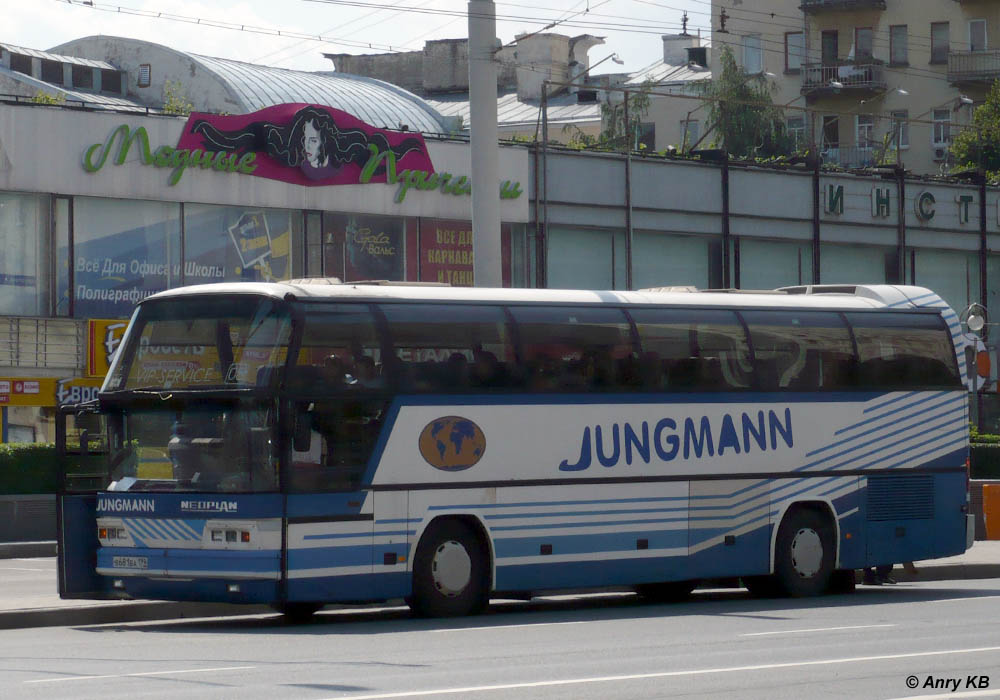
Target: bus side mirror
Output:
[(302, 430)]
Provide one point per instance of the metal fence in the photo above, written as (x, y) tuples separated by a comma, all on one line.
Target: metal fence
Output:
[(42, 342), (848, 74), (973, 65)]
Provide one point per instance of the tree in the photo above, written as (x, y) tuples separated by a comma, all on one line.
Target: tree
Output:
[(978, 146), (746, 121), (174, 99), (614, 132)]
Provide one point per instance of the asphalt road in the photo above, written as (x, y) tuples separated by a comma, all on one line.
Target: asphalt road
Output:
[(721, 644)]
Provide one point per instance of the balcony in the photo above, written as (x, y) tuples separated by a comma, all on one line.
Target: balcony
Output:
[(849, 157), (974, 66), (814, 6), (851, 77)]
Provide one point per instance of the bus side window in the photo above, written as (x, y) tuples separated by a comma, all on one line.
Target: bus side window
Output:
[(698, 349), (800, 350), (903, 350), (574, 349)]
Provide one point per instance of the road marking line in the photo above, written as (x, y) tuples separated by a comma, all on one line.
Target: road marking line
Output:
[(964, 694), (487, 628), (965, 599), (147, 673), (815, 629), (663, 674)]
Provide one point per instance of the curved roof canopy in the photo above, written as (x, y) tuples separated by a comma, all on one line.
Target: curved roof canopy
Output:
[(375, 102)]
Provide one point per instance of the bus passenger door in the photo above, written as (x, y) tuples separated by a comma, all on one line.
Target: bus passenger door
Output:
[(81, 449), (730, 527), (392, 551)]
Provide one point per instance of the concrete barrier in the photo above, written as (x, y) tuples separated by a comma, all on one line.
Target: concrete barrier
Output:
[(28, 518)]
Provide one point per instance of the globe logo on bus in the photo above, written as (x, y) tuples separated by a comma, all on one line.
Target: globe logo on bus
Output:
[(452, 443)]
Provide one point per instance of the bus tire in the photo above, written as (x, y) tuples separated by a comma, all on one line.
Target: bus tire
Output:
[(842, 581), (298, 613), (667, 591), (450, 571), (804, 554), (764, 586)]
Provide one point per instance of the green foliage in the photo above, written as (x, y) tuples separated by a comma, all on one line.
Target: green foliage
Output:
[(48, 98), (978, 146), (28, 468), (615, 133), (174, 99), (747, 123)]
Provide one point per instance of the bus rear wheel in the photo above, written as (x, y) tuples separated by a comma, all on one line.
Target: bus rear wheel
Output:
[(450, 572), (666, 592), (804, 553)]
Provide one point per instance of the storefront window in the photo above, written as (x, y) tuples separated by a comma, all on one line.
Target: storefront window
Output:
[(359, 247), (580, 259), (662, 260), (123, 251), (773, 264), (855, 264), (953, 274), (24, 255), (231, 244)]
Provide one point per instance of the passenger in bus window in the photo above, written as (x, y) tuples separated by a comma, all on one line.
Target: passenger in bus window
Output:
[(487, 372), (338, 371), (367, 373)]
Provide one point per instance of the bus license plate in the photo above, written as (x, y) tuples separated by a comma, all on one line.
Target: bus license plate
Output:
[(130, 562)]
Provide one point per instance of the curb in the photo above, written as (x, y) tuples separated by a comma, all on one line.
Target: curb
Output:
[(140, 611), (27, 550)]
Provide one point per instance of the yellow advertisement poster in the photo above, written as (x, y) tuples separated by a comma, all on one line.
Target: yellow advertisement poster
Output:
[(103, 337), (47, 391)]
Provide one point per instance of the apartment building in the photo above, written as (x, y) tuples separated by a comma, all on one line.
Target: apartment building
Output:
[(871, 75)]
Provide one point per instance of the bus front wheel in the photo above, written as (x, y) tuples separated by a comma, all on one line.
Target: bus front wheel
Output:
[(450, 572), (804, 553)]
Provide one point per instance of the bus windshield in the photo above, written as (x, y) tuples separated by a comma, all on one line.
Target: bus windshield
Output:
[(201, 343), (208, 446)]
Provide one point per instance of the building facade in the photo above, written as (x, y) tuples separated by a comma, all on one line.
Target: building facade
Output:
[(882, 80), (102, 204)]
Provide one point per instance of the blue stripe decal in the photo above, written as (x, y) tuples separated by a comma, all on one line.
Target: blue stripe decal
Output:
[(589, 544), (921, 430), (890, 401), (321, 557), (560, 514), (561, 526), (525, 504), (348, 535), (896, 420)]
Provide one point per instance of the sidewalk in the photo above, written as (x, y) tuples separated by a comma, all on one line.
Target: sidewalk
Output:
[(44, 607)]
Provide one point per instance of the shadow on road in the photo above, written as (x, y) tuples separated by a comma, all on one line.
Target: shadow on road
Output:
[(548, 610)]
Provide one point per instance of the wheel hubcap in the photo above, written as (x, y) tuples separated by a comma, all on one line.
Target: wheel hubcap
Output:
[(807, 552), (451, 569)]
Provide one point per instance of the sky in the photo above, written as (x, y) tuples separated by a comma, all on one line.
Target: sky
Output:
[(247, 30)]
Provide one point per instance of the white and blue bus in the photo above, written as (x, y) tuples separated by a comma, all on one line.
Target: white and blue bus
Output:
[(309, 442)]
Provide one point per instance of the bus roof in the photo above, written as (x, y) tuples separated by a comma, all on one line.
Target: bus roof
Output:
[(847, 297)]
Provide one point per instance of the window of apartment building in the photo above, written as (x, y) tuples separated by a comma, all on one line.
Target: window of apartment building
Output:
[(753, 55), (864, 130), (689, 132), (900, 128), (52, 71), (83, 76), (830, 48), (795, 48), (831, 131), (645, 136), (796, 127), (111, 81), (863, 44), (939, 42), (942, 127), (20, 63), (977, 34), (898, 45)]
